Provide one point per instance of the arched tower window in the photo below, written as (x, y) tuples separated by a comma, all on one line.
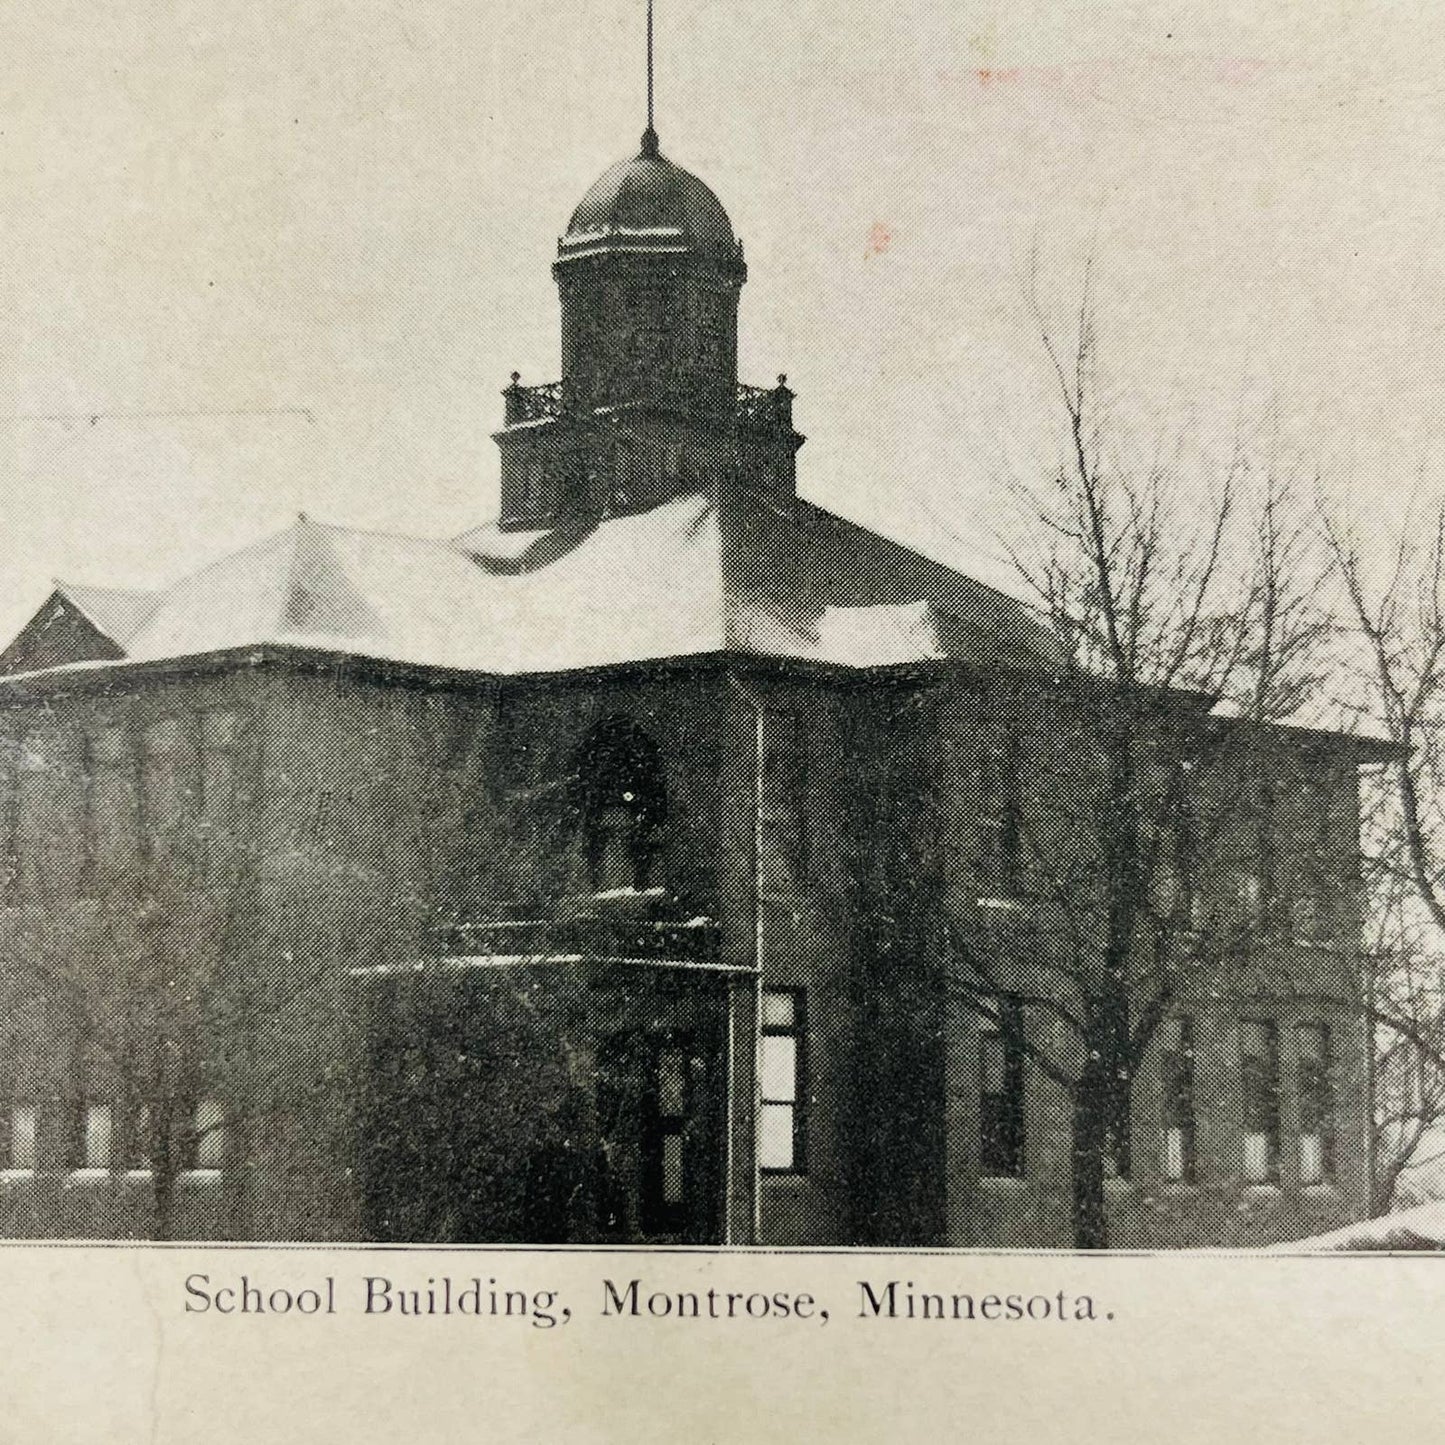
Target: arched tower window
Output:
[(622, 804)]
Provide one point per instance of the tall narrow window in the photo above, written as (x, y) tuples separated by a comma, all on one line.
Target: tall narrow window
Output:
[(1259, 1042), (1001, 1099), (782, 803), (621, 800), (1316, 1104), (781, 1132), (1001, 819), (19, 1138), (111, 833), (204, 1146), (532, 495), (626, 476), (218, 779), (162, 790), (91, 1134), (25, 821), (1180, 1159)]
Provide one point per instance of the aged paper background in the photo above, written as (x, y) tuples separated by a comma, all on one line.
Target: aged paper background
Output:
[(283, 256)]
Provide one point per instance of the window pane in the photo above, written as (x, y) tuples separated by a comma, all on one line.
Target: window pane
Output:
[(672, 1177), (1311, 1158), (218, 785), (113, 801), (97, 1136), (22, 1136), (109, 745), (779, 1068), (1257, 1037), (994, 1064), (218, 727), (210, 1135), (162, 737), (1174, 1154), (775, 1142), (671, 1083), (779, 1009), (1258, 1158)]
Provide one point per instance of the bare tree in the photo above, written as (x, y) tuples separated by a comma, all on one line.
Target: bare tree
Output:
[(1398, 614), (1185, 612)]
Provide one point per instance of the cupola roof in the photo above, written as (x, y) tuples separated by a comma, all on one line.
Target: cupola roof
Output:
[(647, 200)]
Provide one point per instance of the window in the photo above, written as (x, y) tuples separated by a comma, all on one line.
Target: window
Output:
[(782, 803), (91, 1134), (533, 484), (20, 1136), (1180, 1159), (626, 476), (1001, 1099), (205, 1144), (1001, 817), (781, 1133), (25, 821), (162, 791), (110, 832), (621, 798), (218, 813), (1259, 1050), (1316, 1104), (672, 1121)]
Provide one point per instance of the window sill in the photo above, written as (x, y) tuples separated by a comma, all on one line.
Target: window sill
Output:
[(76, 1178), (1003, 1183), (1184, 1188), (199, 1176), (1321, 1189), (17, 1176), (1121, 1186)]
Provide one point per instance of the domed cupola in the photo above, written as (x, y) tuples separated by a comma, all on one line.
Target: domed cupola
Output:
[(649, 272), (648, 406)]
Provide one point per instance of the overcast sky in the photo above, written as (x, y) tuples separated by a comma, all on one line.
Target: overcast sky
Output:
[(286, 253)]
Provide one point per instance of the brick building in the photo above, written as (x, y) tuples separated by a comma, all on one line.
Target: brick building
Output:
[(578, 878)]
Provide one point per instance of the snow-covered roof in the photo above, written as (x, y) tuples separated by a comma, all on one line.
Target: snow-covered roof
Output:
[(703, 573), (118, 612)]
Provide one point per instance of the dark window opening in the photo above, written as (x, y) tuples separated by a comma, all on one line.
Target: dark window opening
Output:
[(1001, 818), (1259, 1051), (1180, 1156), (218, 780), (1316, 1104), (25, 822), (622, 801), (783, 851), (1001, 1099)]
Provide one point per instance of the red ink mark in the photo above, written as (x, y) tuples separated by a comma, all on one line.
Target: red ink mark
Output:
[(880, 238), (988, 77)]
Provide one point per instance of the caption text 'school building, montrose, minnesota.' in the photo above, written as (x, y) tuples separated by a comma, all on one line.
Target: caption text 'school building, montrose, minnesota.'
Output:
[(570, 880)]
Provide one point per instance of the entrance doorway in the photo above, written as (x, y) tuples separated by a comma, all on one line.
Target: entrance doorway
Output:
[(659, 1115)]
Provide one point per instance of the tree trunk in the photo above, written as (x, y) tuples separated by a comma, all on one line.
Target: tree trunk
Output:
[(163, 1203), (1091, 1130)]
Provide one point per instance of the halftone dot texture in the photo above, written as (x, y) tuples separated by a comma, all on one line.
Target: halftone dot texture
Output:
[(595, 876)]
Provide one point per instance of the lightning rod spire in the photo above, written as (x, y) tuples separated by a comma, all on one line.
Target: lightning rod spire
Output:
[(649, 136)]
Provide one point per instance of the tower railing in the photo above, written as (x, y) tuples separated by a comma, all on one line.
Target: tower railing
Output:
[(755, 407)]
